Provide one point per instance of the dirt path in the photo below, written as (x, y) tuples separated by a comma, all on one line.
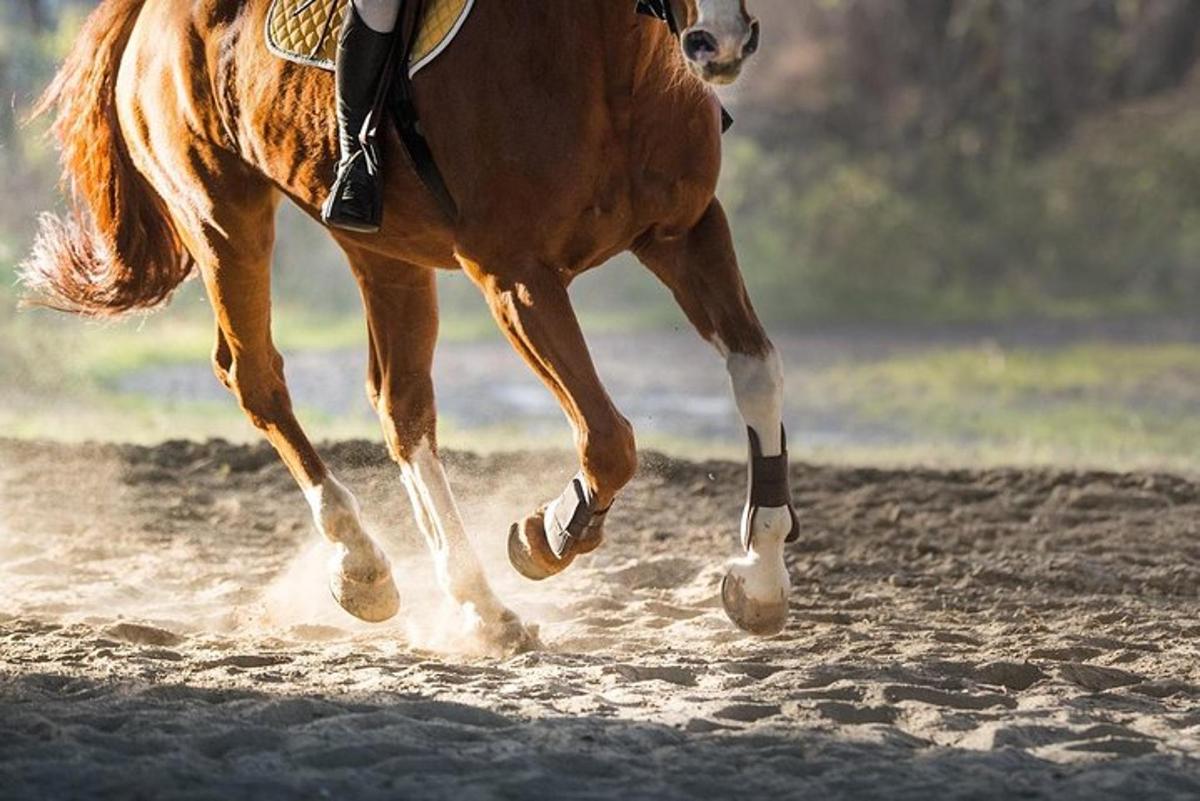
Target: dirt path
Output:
[(164, 632)]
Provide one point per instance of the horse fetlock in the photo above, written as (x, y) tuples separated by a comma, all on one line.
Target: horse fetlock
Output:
[(360, 576), (336, 513), (769, 493), (471, 587), (762, 526), (362, 564), (573, 522)]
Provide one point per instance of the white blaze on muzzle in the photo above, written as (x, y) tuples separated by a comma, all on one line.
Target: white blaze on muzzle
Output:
[(728, 27)]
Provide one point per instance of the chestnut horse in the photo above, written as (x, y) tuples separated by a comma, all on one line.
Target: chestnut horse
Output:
[(568, 131)]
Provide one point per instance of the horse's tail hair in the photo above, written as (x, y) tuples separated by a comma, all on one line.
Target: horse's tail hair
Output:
[(115, 250)]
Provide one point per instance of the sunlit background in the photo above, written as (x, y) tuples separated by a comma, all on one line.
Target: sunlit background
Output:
[(973, 228)]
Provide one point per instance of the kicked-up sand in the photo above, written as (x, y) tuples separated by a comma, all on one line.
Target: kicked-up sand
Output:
[(165, 632)]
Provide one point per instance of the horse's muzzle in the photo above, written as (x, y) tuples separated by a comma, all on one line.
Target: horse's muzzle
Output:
[(718, 56)]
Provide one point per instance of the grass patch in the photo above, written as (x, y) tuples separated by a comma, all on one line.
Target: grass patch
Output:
[(1105, 405)]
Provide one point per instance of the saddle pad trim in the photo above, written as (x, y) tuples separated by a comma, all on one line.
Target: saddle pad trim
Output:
[(447, 40), (316, 60), (291, 55)]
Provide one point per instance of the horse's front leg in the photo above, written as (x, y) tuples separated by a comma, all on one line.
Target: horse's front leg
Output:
[(701, 270), (531, 306), (402, 321)]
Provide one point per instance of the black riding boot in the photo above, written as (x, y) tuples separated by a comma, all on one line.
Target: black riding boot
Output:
[(355, 202)]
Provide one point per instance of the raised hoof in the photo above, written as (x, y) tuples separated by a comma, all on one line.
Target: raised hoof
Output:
[(762, 616), (529, 552), (373, 601)]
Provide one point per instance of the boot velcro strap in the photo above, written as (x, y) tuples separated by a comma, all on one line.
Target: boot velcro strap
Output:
[(573, 517), (769, 484)]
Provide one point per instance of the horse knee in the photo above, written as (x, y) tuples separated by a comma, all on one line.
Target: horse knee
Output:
[(610, 454)]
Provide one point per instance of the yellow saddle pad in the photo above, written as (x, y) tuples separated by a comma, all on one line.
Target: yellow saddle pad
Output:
[(306, 31)]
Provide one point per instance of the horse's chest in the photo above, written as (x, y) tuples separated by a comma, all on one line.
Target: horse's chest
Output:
[(629, 197), (672, 184)]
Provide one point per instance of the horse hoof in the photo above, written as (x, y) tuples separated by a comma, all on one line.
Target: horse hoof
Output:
[(529, 552), (754, 600), (510, 636), (373, 601)]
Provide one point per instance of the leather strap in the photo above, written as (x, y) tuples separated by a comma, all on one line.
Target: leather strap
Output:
[(768, 486), (395, 100), (660, 9), (574, 517), (408, 120)]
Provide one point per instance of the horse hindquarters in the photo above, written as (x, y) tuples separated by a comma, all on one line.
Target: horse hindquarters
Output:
[(222, 213)]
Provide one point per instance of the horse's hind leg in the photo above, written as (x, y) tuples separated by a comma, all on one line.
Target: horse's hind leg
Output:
[(402, 322), (531, 305), (701, 270), (232, 245)]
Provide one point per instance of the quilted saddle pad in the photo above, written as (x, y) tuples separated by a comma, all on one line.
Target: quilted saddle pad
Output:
[(306, 31)]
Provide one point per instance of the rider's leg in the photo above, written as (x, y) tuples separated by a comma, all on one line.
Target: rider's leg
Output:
[(355, 202), (380, 15)]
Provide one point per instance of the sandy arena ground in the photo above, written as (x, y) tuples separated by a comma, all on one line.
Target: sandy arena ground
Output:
[(165, 632)]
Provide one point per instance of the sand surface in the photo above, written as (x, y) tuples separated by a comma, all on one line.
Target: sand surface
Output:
[(165, 632)]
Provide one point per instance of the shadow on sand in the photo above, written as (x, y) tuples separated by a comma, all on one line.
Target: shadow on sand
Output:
[(68, 738)]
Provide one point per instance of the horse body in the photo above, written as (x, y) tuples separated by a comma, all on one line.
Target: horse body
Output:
[(593, 179), (567, 132)]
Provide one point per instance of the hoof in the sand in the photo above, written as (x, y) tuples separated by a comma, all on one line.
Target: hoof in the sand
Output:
[(529, 552), (510, 636), (755, 601), (373, 601)]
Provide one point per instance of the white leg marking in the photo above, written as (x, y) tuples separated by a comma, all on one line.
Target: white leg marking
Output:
[(756, 588), (336, 512), (360, 575), (458, 568), (758, 389)]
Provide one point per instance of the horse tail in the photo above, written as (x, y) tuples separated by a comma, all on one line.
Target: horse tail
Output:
[(115, 250)]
